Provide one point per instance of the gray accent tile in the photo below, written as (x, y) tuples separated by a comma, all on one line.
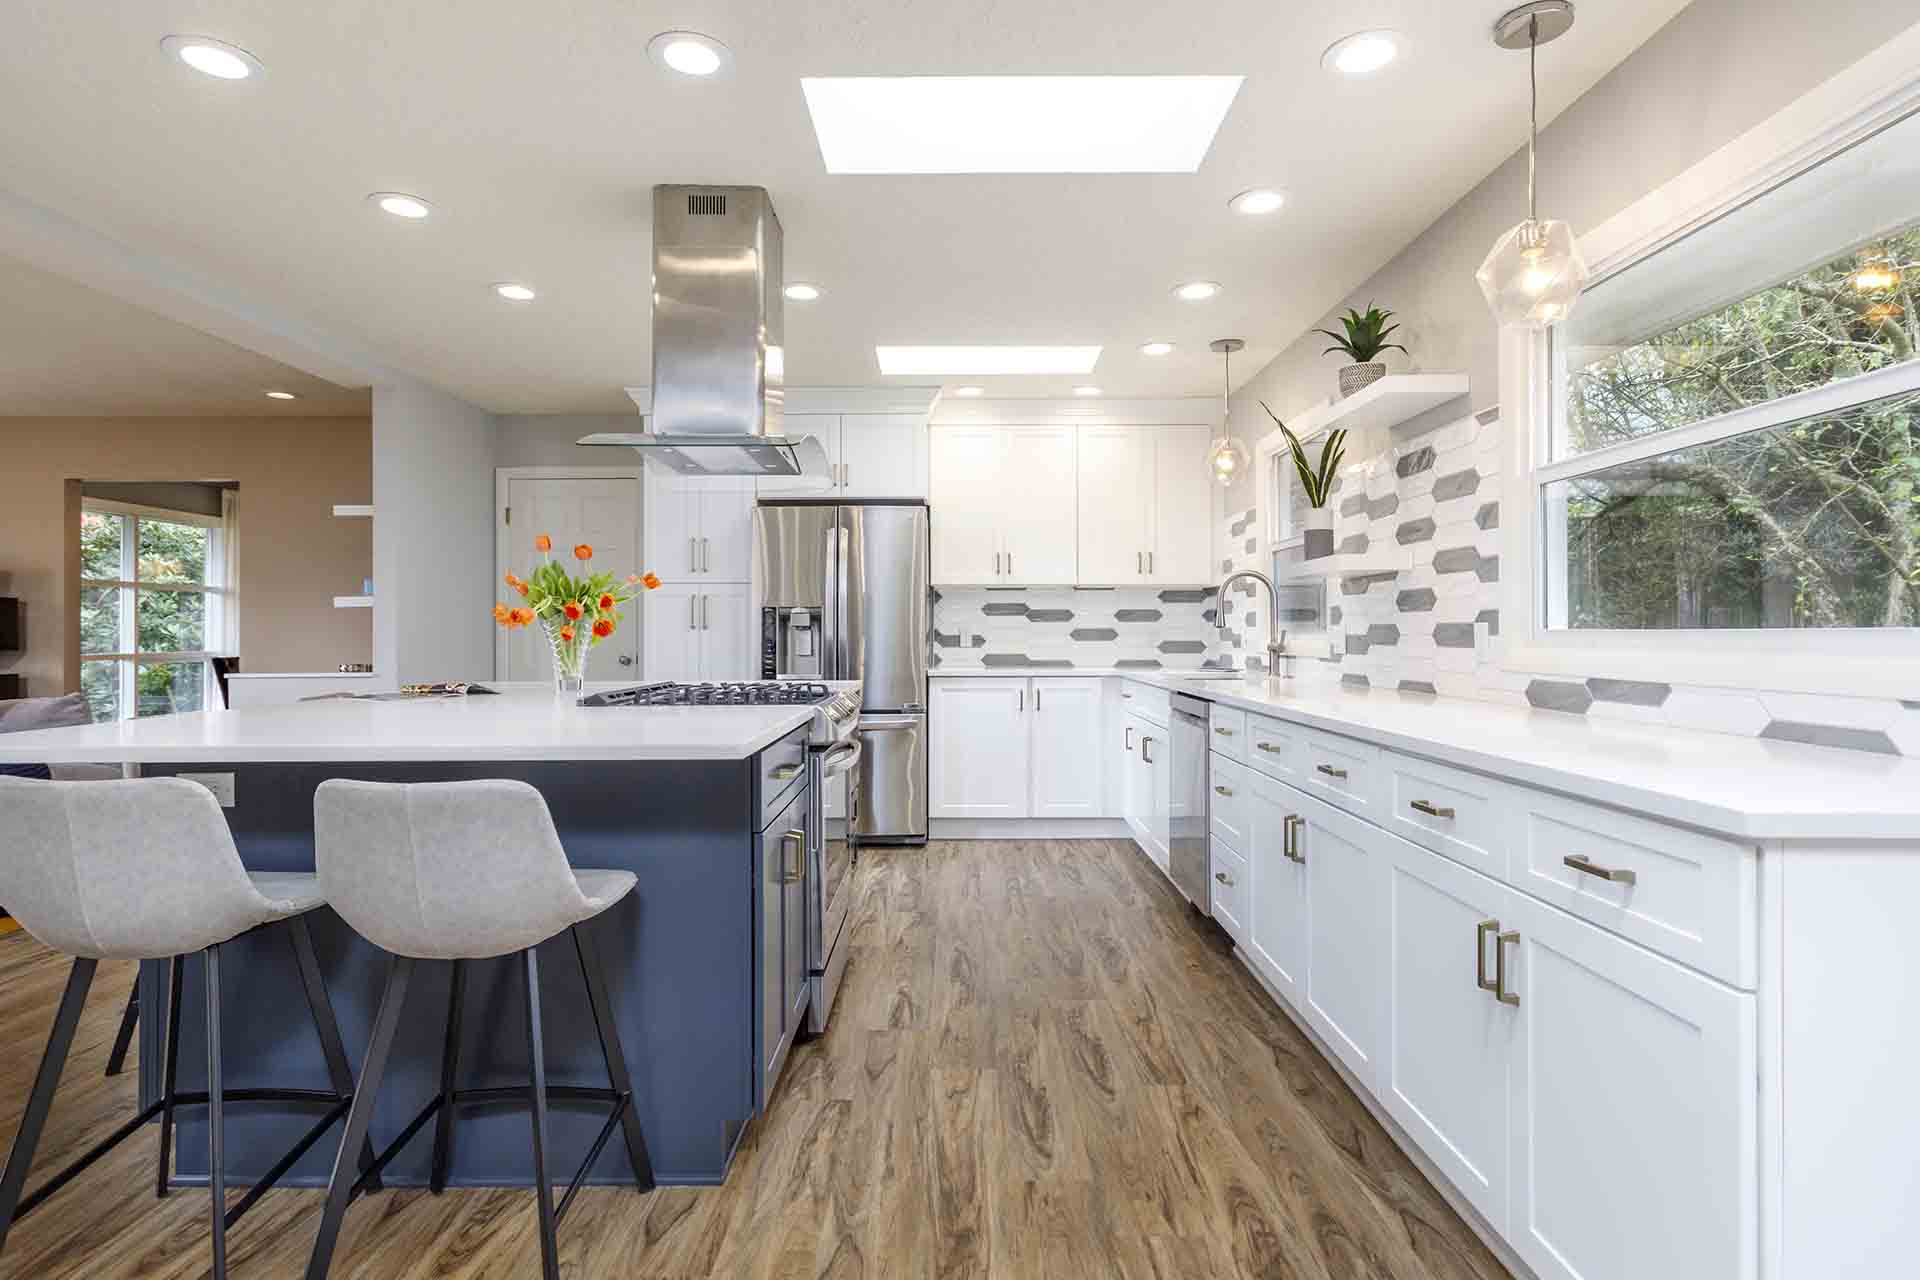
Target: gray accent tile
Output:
[(1457, 485), (1636, 693), (978, 642), (1381, 508), (1022, 660), (1210, 615), (1359, 583), (1355, 680), (1240, 526), (1226, 566), (1383, 633), (1049, 615), (937, 597), (1488, 516), (1456, 560), (1357, 643), (1245, 587), (1488, 416), (1251, 621), (1181, 646), (1418, 686), (1352, 545), (1453, 635), (933, 660), (1351, 507), (1415, 600), (946, 641), (1488, 570), (1412, 531), (1093, 633), (1334, 614), (1185, 596), (1231, 639), (1252, 545), (1211, 664), (1003, 609), (1412, 464), (1559, 695), (1831, 735), (1140, 664), (1492, 618), (1136, 615)]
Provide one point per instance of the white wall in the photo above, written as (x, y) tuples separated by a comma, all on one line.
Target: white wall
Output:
[(433, 460)]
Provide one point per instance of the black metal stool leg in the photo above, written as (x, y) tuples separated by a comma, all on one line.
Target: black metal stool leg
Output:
[(123, 1039), (616, 1058), (169, 1073), (543, 1190), (449, 1072), (360, 1116), (216, 1116), (40, 1101), (332, 1048)]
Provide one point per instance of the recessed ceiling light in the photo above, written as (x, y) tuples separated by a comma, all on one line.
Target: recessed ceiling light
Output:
[(799, 292), (1155, 348), (212, 57), (1017, 124), (689, 53), (514, 292), (970, 392), (947, 361), (1362, 53), (400, 205), (1086, 391), (281, 395), (1196, 290), (1258, 200)]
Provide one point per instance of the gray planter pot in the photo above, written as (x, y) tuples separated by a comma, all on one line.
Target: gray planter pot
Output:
[(1355, 376)]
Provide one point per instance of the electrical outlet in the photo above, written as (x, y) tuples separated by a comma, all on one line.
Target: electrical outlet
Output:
[(221, 784)]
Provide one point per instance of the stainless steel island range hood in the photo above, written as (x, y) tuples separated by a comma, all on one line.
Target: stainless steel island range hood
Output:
[(718, 359)]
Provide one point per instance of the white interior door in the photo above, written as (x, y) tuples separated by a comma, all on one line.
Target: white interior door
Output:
[(1038, 503), (603, 512), (966, 505), (1115, 504), (1182, 507)]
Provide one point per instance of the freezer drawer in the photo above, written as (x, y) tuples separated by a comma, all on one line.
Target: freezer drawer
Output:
[(892, 784)]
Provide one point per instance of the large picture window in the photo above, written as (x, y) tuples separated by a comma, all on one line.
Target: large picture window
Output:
[(153, 606)]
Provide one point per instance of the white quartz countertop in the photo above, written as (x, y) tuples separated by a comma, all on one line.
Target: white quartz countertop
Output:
[(1754, 788), (514, 725)]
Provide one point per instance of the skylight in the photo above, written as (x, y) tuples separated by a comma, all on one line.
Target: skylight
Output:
[(948, 361), (1017, 124)]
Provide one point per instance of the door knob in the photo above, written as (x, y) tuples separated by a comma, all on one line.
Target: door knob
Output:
[(626, 659)]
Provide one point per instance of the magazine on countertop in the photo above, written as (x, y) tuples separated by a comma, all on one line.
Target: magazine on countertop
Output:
[(409, 692)]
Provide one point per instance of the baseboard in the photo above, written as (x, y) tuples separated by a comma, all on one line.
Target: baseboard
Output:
[(1500, 1249), (1028, 829)]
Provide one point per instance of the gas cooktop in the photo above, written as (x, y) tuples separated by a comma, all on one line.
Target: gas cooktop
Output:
[(743, 693)]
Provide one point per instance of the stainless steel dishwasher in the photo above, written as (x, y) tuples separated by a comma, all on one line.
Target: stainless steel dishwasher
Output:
[(1188, 858)]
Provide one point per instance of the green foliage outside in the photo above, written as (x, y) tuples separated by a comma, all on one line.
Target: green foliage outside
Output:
[(1812, 524), (165, 621)]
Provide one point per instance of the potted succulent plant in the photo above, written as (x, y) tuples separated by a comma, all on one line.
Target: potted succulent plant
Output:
[(1316, 484), (1365, 338)]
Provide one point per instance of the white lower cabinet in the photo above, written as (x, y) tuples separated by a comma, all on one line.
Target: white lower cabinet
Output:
[(1068, 781), (1016, 748), (1277, 908), (698, 631), (1344, 866)]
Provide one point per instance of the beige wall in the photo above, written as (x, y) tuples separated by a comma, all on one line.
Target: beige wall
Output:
[(294, 555)]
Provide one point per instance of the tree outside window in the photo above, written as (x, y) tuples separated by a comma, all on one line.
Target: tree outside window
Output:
[(151, 596)]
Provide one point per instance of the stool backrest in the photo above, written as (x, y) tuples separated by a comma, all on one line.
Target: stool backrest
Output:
[(129, 869), (444, 870)]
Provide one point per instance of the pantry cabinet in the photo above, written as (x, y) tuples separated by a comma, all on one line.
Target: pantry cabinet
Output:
[(1004, 503), (692, 631), (698, 528), (1146, 509)]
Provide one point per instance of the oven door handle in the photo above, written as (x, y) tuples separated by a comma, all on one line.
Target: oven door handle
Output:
[(842, 758)]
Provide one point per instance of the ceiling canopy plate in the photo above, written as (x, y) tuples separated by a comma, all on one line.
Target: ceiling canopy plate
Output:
[(1555, 20)]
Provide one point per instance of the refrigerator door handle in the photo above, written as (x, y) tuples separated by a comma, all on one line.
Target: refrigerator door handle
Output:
[(887, 726)]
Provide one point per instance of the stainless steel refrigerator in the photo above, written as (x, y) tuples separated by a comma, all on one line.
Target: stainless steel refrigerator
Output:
[(845, 595)]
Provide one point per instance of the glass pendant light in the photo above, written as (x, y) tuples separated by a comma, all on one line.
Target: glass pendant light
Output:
[(1534, 274), (1226, 456)]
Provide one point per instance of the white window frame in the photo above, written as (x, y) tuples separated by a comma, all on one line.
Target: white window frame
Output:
[(215, 588), (1876, 91)]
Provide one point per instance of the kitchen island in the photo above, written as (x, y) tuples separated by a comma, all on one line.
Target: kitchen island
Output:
[(693, 800)]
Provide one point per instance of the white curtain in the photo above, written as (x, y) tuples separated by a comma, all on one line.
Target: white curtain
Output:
[(227, 639)]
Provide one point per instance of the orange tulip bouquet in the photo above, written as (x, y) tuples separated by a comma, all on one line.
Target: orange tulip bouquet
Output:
[(576, 612)]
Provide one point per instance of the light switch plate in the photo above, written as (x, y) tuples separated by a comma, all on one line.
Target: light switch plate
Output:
[(221, 784)]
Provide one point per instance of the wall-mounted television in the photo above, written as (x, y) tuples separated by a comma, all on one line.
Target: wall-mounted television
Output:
[(10, 638)]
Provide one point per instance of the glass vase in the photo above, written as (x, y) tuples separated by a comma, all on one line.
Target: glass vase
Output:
[(569, 658)]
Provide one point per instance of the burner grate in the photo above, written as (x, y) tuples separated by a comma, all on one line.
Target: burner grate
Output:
[(744, 693)]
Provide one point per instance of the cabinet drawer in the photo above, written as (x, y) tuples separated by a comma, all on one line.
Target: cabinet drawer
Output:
[(1227, 732), (1145, 700), (1227, 784), (1447, 810), (1273, 746), (1229, 872), (1688, 896), (782, 766), (1340, 770)]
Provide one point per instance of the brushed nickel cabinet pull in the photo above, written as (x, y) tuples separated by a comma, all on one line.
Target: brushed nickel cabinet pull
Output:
[(693, 613), (1223, 732), (1149, 562), (1036, 697), (1223, 877), (1146, 740), (1500, 941), (1009, 564), (1022, 705), (1139, 562), (693, 554), (1481, 931), (706, 555), (1129, 729), (1619, 875), (1290, 838), (1330, 771), (1270, 748), (1431, 810), (1222, 791)]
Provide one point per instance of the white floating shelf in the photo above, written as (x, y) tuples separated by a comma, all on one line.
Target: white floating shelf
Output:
[(1389, 402), (364, 512), (1393, 560), (353, 602)]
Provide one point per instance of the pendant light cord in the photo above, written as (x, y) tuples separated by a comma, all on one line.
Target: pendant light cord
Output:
[(1533, 107), (1226, 393)]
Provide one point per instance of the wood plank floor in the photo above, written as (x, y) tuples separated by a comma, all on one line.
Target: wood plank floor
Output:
[(1039, 1066)]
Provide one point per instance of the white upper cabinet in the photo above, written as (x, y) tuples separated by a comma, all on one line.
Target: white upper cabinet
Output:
[(699, 529), (869, 455), (698, 631), (1003, 503), (1146, 506)]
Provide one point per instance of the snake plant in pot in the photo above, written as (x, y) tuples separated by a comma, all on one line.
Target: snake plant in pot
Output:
[(1316, 484), (1365, 338)]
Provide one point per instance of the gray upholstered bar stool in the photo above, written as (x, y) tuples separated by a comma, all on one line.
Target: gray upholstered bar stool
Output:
[(146, 869), (464, 871)]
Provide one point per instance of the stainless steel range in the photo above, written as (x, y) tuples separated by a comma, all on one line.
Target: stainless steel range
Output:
[(833, 759)]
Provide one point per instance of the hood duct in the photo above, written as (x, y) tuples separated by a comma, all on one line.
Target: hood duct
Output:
[(718, 359)]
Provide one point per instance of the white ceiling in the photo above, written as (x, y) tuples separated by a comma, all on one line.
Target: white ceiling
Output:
[(538, 130), (67, 350)]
